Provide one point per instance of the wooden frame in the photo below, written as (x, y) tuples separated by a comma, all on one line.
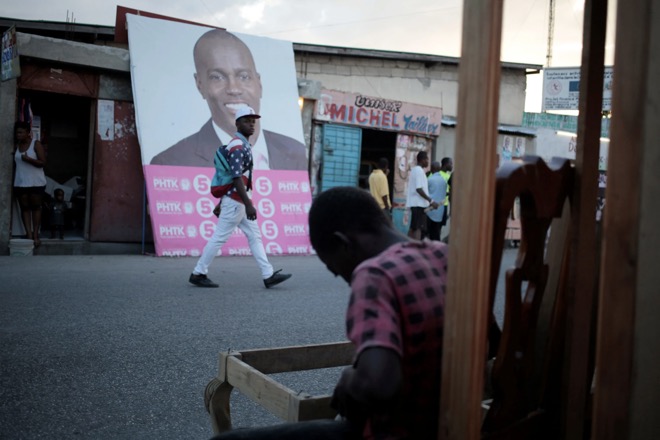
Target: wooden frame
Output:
[(247, 371)]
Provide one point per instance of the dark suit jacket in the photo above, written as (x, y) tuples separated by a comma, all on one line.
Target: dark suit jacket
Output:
[(198, 150)]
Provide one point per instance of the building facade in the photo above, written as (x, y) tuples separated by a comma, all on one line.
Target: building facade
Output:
[(76, 80)]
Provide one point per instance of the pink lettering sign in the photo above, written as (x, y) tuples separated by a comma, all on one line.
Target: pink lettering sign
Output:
[(181, 208), (387, 114)]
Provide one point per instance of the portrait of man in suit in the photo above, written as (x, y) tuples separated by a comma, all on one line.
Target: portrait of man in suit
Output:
[(227, 79)]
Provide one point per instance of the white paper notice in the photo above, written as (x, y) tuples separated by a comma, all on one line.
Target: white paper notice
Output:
[(106, 122)]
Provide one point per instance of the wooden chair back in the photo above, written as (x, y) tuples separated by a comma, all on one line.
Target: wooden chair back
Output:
[(525, 377)]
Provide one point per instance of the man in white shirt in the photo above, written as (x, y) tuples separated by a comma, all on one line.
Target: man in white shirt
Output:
[(418, 196)]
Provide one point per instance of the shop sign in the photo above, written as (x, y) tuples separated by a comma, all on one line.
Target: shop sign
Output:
[(377, 113)]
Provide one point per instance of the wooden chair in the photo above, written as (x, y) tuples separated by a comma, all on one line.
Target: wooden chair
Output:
[(248, 371), (526, 373)]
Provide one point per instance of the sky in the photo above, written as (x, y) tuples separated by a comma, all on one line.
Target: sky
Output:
[(428, 27)]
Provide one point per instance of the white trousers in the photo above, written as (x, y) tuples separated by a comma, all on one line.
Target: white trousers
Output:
[(232, 214)]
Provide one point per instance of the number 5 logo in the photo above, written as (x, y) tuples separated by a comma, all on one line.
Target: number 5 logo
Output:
[(266, 208), (206, 229), (205, 207), (269, 229), (263, 186), (202, 184)]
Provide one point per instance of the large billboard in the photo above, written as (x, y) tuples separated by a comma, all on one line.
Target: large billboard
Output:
[(188, 82), (561, 88)]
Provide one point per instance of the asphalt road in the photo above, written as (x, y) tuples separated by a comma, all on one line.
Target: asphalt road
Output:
[(121, 347)]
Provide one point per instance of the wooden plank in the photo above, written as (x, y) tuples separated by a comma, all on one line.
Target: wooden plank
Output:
[(262, 389), (556, 256), (582, 281), (317, 407), (628, 371), (466, 315), (216, 400), (299, 358)]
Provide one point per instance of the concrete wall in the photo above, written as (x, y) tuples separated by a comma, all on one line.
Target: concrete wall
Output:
[(7, 118), (434, 85)]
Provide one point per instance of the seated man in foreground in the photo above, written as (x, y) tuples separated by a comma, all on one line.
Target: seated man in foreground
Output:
[(394, 318)]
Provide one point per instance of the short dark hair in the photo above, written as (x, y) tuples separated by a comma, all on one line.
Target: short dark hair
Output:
[(445, 161), (58, 191), (383, 163), (22, 124), (343, 209), (421, 156)]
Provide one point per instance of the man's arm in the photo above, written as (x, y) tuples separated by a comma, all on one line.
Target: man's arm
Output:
[(386, 201), (371, 386), (433, 204)]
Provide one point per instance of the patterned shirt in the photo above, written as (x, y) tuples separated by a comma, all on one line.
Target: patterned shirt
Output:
[(397, 302), (239, 156)]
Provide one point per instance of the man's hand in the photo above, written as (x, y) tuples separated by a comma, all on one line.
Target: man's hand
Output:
[(250, 212), (216, 210), (343, 402), (434, 205)]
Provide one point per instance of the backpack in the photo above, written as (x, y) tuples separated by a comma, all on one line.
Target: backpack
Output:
[(223, 180)]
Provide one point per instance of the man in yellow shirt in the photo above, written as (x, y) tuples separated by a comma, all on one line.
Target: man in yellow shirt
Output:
[(379, 187)]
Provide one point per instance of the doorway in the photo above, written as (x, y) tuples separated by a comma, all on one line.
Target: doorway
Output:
[(376, 144), (62, 123)]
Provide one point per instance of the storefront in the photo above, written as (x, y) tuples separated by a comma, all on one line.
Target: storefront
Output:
[(353, 131)]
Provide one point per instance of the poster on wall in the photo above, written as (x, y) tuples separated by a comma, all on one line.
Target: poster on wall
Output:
[(188, 82), (11, 67)]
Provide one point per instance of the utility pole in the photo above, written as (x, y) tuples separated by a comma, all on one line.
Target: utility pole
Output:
[(551, 33)]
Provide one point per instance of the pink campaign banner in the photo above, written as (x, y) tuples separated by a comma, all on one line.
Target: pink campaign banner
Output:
[(182, 211)]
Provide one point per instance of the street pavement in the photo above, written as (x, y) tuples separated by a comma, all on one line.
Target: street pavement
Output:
[(122, 346)]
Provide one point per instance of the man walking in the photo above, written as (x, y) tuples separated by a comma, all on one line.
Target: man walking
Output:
[(236, 206), (418, 198), (379, 187)]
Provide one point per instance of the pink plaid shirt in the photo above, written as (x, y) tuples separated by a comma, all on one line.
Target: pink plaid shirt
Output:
[(397, 302)]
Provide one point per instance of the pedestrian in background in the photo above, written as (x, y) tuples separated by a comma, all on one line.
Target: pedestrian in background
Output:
[(29, 179), (379, 187), (237, 209), (438, 192), (418, 197)]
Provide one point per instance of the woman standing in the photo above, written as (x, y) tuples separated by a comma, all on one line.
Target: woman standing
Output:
[(29, 180)]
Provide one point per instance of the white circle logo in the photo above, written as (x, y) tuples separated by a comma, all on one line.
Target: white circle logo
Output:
[(263, 186), (273, 248), (205, 207), (269, 229), (206, 229), (266, 208), (202, 184)]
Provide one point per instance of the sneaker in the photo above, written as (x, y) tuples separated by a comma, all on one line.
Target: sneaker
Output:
[(201, 281), (276, 278)]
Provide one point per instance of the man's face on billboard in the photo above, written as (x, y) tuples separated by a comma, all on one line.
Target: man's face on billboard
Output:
[(226, 77)]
